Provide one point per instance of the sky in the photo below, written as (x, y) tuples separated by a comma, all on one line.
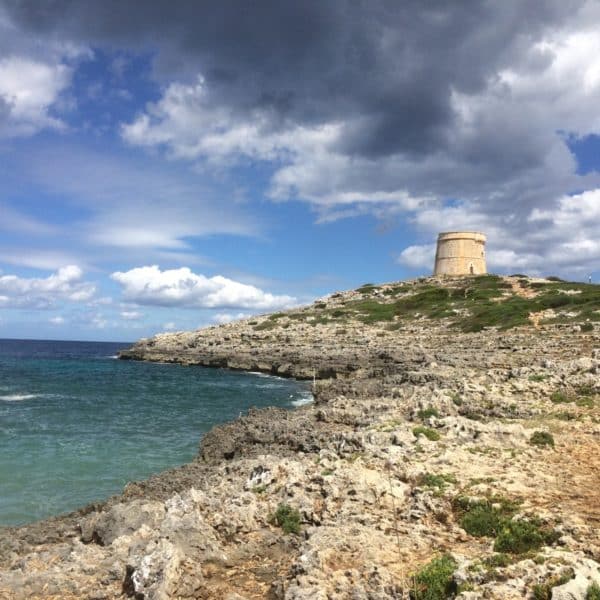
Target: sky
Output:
[(168, 165)]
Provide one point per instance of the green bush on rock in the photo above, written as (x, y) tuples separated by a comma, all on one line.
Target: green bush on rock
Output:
[(287, 518), (435, 581), (429, 433), (541, 439), (519, 537)]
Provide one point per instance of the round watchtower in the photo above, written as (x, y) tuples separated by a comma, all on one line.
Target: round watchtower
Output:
[(460, 253)]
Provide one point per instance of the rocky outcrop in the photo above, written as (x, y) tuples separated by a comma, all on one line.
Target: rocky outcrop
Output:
[(352, 496)]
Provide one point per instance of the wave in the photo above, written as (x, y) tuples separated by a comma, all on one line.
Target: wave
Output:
[(268, 375), (19, 397), (304, 399)]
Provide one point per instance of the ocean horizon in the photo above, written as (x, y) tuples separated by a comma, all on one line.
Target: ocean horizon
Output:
[(76, 424)]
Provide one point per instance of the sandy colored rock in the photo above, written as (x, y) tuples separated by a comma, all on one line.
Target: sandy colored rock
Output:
[(407, 418)]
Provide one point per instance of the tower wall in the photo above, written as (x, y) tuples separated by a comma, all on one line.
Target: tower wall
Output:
[(460, 253)]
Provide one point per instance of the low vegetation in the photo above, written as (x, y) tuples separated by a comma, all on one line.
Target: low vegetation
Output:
[(438, 482), (429, 433), (467, 303), (541, 439), (543, 591), (287, 518), (494, 517), (435, 581), (593, 592), (520, 536)]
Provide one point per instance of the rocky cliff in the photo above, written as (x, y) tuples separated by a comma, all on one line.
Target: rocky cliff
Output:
[(452, 451)]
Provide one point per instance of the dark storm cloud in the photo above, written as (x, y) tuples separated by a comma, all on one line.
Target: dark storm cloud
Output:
[(388, 66)]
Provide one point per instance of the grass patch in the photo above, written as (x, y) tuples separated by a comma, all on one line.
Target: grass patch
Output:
[(265, 326), (519, 537), (438, 482), (435, 581), (425, 413), (565, 415), (484, 517), (560, 397), (538, 377), (585, 402), (287, 518), (429, 433), (498, 560), (543, 591), (593, 592), (541, 439), (456, 399)]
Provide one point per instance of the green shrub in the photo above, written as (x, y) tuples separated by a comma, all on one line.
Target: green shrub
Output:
[(587, 327), (425, 413), (560, 397), (541, 438), (436, 481), (481, 521), (429, 433), (265, 326), (456, 399), (435, 581), (498, 560), (484, 517), (593, 592), (538, 377), (585, 402), (287, 518), (518, 537), (543, 591)]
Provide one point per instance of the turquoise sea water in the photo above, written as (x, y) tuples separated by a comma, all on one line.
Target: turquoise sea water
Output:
[(76, 424)]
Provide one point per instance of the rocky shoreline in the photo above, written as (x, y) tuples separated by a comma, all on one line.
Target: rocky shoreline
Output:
[(433, 463)]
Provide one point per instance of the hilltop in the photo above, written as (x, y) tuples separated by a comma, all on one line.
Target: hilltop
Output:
[(452, 450), (348, 331)]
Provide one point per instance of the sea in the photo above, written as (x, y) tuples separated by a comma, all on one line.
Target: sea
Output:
[(77, 424)]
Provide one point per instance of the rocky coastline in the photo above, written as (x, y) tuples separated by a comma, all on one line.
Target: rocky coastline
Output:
[(441, 458)]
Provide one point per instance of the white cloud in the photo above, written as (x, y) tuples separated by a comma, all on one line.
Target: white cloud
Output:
[(98, 321), (65, 285), (58, 320), (136, 204), (186, 122), (182, 287), (170, 326), (131, 315), (222, 318), (418, 257), (503, 159), (28, 89)]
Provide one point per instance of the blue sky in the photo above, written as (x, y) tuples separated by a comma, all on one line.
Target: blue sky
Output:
[(195, 163)]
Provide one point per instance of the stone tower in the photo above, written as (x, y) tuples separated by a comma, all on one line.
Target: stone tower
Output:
[(460, 253)]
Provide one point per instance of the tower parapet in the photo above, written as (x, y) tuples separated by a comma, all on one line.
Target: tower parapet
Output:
[(460, 253)]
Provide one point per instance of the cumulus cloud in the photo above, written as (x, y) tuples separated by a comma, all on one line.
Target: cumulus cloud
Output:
[(433, 113), (66, 284), (27, 91), (131, 315), (34, 76), (222, 318), (182, 287)]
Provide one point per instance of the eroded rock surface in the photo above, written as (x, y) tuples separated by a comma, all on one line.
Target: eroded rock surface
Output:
[(407, 421)]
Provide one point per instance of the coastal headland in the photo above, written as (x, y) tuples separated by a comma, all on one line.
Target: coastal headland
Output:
[(452, 450)]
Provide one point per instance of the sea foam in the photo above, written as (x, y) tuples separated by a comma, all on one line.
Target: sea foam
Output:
[(18, 397), (304, 399)]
